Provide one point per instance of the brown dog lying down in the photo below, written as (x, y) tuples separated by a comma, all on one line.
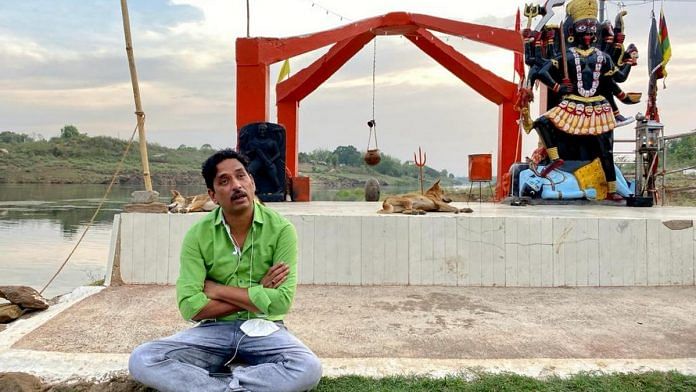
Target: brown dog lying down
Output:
[(183, 204), (434, 200)]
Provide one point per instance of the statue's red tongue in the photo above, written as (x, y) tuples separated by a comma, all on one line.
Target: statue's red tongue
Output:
[(588, 40)]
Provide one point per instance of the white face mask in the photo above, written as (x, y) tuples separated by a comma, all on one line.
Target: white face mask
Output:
[(258, 327)]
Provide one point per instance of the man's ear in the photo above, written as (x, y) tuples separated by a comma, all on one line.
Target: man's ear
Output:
[(211, 193)]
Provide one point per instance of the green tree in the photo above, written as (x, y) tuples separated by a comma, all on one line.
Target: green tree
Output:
[(348, 155), (389, 166), (682, 150), (14, 138), (322, 155), (69, 132)]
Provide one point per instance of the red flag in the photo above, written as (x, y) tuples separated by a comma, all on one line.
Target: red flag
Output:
[(519, 61)]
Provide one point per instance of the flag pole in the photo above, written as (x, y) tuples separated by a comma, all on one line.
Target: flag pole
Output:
[(136, 94)]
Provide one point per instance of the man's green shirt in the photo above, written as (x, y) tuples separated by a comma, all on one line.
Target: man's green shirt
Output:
[(208, 253)]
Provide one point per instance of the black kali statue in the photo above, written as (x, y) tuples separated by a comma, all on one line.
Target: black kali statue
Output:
[(581, 63), (264, 144)]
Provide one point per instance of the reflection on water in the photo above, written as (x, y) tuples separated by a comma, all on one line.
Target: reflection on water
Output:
[(70, 206), (40, 224)]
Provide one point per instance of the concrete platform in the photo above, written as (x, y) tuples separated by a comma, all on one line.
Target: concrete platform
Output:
[(348, 243), (381, 331)]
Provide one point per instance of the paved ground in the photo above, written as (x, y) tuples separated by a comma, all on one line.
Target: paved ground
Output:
[(437, 329)]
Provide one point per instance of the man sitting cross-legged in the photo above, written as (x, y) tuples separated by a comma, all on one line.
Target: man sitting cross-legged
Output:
[(238, 277)]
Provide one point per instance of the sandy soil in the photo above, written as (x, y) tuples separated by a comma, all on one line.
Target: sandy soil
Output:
[(22, 382)]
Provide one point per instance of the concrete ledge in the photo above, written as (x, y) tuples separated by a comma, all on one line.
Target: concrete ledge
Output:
[(497, 245)]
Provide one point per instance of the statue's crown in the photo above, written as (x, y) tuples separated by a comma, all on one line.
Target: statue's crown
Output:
[(582, 9)]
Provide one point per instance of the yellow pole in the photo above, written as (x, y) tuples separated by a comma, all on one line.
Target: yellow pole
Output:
[(136, 94)]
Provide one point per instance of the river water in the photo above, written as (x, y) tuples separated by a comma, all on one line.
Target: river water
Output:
[(41, 223)]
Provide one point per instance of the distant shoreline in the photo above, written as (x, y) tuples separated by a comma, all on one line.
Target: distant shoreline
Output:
[(76, 158)]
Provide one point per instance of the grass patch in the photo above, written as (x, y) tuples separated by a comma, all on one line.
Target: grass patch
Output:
[(98, 282), (622, 382), (595, 382)]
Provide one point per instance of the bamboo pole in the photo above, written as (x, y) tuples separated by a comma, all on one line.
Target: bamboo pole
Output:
[(136, 94)]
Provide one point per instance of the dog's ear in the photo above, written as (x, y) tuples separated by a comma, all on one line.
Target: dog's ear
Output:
[(436, 185), (174, 192)]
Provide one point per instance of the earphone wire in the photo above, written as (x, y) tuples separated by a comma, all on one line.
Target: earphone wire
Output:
[(251, 260), (251, 267), (237, 249)]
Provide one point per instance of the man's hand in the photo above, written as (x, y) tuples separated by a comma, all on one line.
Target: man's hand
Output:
[(275, 276), (237, 297), (211, 289)]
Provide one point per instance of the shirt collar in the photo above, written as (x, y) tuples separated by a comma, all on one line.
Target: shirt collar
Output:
[(257, 215)]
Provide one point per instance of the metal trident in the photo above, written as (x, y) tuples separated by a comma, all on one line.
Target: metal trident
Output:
[(420, 162)]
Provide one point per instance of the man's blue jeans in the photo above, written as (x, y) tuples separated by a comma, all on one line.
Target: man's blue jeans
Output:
[(194, 360)]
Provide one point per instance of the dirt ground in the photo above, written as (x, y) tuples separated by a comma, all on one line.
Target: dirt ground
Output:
[(414, 322), (22, 382), (386, 330)]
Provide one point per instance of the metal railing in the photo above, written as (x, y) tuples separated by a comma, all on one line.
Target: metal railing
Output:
[(673, 171), (663, 173)]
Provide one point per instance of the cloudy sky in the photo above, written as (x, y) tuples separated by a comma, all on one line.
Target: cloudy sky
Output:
[(64, 62)]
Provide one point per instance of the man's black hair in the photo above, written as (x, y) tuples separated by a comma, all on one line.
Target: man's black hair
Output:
[(209, 168)]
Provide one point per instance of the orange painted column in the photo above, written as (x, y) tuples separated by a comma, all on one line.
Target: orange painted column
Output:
[(509, 144), (253, 94), (288, 118)]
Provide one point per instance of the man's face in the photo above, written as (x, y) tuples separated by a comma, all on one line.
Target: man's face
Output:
[(233, 187)]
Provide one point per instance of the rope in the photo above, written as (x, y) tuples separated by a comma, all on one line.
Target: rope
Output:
[(374, 71), (91, 221), (373, 124)]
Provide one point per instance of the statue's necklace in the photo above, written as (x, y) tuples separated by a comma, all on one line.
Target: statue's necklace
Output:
[(595, 75)]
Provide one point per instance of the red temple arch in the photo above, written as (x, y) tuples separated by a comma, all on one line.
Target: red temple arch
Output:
[(255, 55)]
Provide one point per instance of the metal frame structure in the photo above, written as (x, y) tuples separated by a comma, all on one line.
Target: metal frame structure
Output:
[(645, 156), (255, 55)]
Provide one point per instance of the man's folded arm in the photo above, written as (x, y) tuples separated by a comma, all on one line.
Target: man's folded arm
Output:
[(214, 309), (235, 296), (193, 303), (274, 302)]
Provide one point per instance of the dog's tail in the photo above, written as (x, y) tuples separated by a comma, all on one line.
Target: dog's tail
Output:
[(386, 208)]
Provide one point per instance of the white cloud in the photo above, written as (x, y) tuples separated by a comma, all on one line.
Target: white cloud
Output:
[(187, 75), (15, 48)]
